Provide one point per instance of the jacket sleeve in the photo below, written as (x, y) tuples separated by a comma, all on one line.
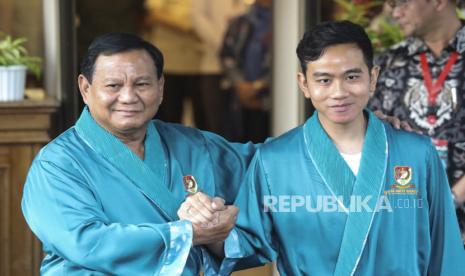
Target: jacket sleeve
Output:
[(230, 161), (447, 252), (65, 215), (250, 243), (253, 243)]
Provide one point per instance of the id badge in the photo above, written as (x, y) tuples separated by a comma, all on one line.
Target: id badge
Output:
[(442, 149)]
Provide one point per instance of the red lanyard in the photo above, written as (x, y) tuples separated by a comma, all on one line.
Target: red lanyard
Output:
[(435, 89)]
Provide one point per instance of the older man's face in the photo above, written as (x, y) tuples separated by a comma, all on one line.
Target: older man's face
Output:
[(415, 17), (125, 92)]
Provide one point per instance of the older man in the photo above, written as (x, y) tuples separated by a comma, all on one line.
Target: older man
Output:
[(103, 196), (421, 81)]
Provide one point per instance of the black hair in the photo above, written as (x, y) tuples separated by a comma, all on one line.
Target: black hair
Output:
[(113, 43), (326, 34)]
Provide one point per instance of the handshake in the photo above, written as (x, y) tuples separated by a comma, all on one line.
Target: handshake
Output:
[(211, 219)]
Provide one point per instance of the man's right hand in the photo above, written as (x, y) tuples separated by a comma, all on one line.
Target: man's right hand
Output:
[(395, 122), (219, 231), (248, 95), (211, 219)]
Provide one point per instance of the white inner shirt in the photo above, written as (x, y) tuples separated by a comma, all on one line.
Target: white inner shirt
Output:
[(353, 160)]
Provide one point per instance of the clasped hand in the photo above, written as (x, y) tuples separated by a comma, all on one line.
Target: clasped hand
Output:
[(212, 220)]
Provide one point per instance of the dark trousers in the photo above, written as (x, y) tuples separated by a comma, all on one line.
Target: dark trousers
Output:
[(177, 88), (243, 124), (207, 101), (256, 125), (213, 103)]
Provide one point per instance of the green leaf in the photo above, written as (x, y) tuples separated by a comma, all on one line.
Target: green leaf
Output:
[(382, 38), (12, 52), (18, 41)]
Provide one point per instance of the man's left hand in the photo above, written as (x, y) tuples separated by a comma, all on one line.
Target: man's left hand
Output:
[(211, 219)]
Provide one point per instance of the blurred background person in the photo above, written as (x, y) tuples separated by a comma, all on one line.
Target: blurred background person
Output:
[(210, 19), (170, 28), (190, 33), (246, 61), (421, 82)]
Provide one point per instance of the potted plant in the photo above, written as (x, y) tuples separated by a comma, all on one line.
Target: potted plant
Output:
[(14, 62)]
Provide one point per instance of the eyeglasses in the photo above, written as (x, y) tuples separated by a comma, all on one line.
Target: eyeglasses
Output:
[(397, 3)]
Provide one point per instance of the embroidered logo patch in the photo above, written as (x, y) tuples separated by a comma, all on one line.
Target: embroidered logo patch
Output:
[(190, 185), (402, 176)]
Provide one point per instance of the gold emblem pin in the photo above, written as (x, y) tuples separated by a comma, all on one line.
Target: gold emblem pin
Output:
[(190, 184)]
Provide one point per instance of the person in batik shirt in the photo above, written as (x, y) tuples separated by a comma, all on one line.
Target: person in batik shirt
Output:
[(422, 82)]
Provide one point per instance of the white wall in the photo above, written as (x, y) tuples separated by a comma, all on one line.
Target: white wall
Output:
[(52, 74), (287, 99)]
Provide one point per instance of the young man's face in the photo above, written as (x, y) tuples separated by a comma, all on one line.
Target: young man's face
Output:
[(339, 84)]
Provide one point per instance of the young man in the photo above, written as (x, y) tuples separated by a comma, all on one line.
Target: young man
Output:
[(421, 82), (345, 193)]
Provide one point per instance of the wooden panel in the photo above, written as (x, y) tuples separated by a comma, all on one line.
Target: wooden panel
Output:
[(21, 237), (24, 128), (266, 270), (48, 105), (4, 156), (26, 137), (37, 256), (4, 219), (24, 122), (6, 14)]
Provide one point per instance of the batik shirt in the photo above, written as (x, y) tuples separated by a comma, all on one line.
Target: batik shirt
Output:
[(401, 92)]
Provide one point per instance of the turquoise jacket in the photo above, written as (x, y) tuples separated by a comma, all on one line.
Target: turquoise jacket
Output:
[(99, 209), (302, 206)]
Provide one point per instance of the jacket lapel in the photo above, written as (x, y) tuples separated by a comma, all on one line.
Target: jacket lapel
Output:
[(332, 168), (149, 175), (369, 183), (340, 180)]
